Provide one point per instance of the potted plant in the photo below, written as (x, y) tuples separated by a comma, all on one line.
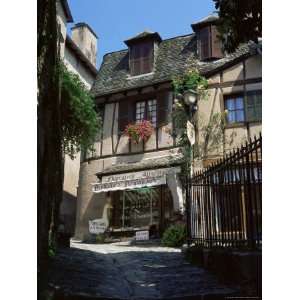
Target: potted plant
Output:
[(140, 131)]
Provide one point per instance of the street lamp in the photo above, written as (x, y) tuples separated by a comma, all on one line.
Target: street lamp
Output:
[(190, 99)]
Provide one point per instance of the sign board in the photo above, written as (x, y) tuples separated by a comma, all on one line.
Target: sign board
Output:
[(97, 226), (133, 180), (190, 132), (142, 235)]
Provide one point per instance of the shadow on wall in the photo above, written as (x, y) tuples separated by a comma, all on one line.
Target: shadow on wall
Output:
[(67, 212), (94, 210)]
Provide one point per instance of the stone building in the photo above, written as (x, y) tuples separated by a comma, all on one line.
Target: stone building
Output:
[(78, 52), (234, 87), (130, 187)]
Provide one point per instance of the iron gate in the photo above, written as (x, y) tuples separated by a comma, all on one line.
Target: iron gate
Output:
[(224, 201)]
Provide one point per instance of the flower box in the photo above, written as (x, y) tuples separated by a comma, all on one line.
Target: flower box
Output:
[(140, 131)]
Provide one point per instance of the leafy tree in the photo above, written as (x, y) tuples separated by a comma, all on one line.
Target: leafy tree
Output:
[(80, 122), (66, 123), (240, 21)]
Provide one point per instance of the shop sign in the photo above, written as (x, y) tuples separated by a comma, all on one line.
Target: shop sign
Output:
[(139, 175), (142, 235), (97, 226), (133, 180), (190, 132)]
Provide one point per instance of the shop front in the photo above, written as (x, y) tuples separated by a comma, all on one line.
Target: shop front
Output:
[(145, 200)]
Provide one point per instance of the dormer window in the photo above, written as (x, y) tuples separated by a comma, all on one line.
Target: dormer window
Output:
[(203, 41), (141, 58), (208, 44), (142, 52)]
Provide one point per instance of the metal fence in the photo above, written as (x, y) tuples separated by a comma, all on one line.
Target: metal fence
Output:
[(224, 201)]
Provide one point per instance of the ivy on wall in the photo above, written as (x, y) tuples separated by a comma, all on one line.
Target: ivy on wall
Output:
[(210, 129), (80, 121), (191, 80)]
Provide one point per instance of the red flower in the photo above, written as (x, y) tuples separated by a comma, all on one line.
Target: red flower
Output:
[(140, 131)]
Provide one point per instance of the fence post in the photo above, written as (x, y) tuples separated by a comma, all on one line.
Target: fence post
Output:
[(188, 209), (250, 231)]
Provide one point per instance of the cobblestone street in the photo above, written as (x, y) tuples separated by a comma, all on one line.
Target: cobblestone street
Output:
[(121, 271)]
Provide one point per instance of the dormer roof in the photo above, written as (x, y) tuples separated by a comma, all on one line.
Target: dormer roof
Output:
[(211, 19), (143, 36)]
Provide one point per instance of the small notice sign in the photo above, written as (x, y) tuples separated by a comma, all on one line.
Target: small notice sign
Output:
[(142, 235), (97, 226)]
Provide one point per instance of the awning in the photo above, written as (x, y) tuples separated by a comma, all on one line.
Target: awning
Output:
[(133, 180), (144, 164)]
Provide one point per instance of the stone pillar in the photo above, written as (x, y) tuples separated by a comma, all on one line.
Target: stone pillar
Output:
[(175, 187)]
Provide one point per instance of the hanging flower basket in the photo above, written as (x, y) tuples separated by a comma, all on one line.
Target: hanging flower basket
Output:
[(140, 131)]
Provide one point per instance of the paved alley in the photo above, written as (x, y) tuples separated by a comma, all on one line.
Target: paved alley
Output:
[(121, 271)]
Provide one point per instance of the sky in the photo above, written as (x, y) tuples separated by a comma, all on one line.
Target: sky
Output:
[(117, 20)]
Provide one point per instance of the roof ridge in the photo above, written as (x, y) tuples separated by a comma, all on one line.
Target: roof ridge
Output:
[(172, 38)]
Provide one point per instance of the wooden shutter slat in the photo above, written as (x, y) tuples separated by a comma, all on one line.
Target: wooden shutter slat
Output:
[(125, 114), (216, 43), (162, 108), (204, 43)]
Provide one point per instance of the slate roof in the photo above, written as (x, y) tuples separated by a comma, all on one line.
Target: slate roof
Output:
[(150, 163), (173, 57), (143, 35)]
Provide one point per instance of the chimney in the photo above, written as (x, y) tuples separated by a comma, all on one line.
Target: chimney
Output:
[(86, 39)]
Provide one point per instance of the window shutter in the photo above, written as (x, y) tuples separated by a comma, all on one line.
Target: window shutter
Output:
[(125, 114), (216, 43), (204, 43), (141, 58), (162, 108), (254, 106)]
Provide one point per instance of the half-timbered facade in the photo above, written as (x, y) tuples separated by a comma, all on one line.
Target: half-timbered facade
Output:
[(130, 186)]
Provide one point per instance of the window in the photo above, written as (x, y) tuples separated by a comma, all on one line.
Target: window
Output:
[(254, 106), (204, 43), (141, 58), (146, 110), (235, 107), (152, 112), (241, 110), (140, 111)]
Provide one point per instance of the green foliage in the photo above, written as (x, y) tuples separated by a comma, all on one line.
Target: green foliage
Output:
[(80, 121), (100, 238), (239, 21), (211, 134), (174, 236), (51, 245), (191, 80)]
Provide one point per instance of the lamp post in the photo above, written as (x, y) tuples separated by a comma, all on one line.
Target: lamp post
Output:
[(190, 99)]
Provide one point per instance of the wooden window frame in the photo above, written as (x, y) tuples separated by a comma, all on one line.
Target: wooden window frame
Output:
[(249, 93), (234, 97), (245, 106), (146, 112), (142, 64)]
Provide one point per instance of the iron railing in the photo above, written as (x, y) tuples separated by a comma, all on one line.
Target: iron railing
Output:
[(224, 201)]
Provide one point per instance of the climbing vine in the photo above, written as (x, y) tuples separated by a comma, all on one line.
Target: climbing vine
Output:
[(210, 129), (191, 80), (80, 121)]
